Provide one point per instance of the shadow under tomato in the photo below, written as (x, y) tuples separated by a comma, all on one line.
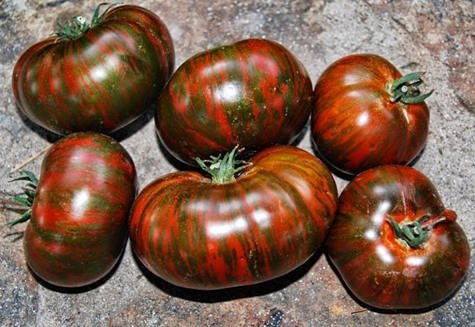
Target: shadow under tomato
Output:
[(81, 289), (348, 176), (229, 294), (302, 133), (367, 307), (179, 165), (45, 134), (120, 134), (135, 126)]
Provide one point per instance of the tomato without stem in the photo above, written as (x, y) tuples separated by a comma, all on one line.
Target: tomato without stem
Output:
[(95, 77), (78, 225), (394, 243), (366, 114), (254, 93), (203, 234)]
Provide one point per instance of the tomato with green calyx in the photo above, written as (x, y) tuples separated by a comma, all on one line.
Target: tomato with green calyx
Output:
[(79, 208), (97, 76), (254, 93), (248, 224), (367, 114), (394, 243)]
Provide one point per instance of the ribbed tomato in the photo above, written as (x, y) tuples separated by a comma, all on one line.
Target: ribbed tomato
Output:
[(254, 93), (211, 234), (394, 243), (78, 225), (95, 77), (366, 114)]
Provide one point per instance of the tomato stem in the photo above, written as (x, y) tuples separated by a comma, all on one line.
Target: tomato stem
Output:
[(406, 89), (28, 198), (80, 26), (415, 233), (223, 170)]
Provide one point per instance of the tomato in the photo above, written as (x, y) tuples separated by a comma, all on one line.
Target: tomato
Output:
[(78, 225), (212, 234), (366, 114), (95, 77), (394, 243), (254, 93)]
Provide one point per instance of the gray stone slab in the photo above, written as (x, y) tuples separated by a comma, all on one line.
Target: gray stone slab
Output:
[(438, 35)]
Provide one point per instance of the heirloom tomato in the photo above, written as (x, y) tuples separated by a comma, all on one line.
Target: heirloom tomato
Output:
[(394, 243), (203, 233), (254, 93), (79, 209), (366, 114), (98, 76)]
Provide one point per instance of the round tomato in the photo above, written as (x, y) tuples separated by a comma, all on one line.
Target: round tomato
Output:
[(394, 243), (366, 114), (95, 77), (254, 93), (78, 225), (211, 234)]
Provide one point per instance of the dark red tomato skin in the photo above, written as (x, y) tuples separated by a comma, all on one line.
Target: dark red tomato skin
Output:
[(78, 227), (375, 266), (254, 93), (271, 219), (355, 126), (102, 80)]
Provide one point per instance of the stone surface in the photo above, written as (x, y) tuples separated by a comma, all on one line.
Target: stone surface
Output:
[(437, 35)]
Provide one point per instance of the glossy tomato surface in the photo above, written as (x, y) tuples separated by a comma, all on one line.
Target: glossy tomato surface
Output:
[(356, 122), (390, 271), (99, 81), (198, 234), (78, 225), (253, 93)]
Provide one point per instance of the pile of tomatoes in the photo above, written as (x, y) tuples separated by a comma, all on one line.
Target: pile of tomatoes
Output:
[(252, 206)]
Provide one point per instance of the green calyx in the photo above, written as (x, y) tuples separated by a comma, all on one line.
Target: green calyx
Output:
[(79, 26), (27, 199), (223, 170), (406, 89), (415, 233)]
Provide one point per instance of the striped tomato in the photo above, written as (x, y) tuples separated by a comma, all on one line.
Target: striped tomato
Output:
[(78, 218), (366, 114), (254, 93), (393, 241), (95, 77), (211, 234)]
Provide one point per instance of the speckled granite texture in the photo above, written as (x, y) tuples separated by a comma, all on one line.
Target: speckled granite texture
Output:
[(438, 35)]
